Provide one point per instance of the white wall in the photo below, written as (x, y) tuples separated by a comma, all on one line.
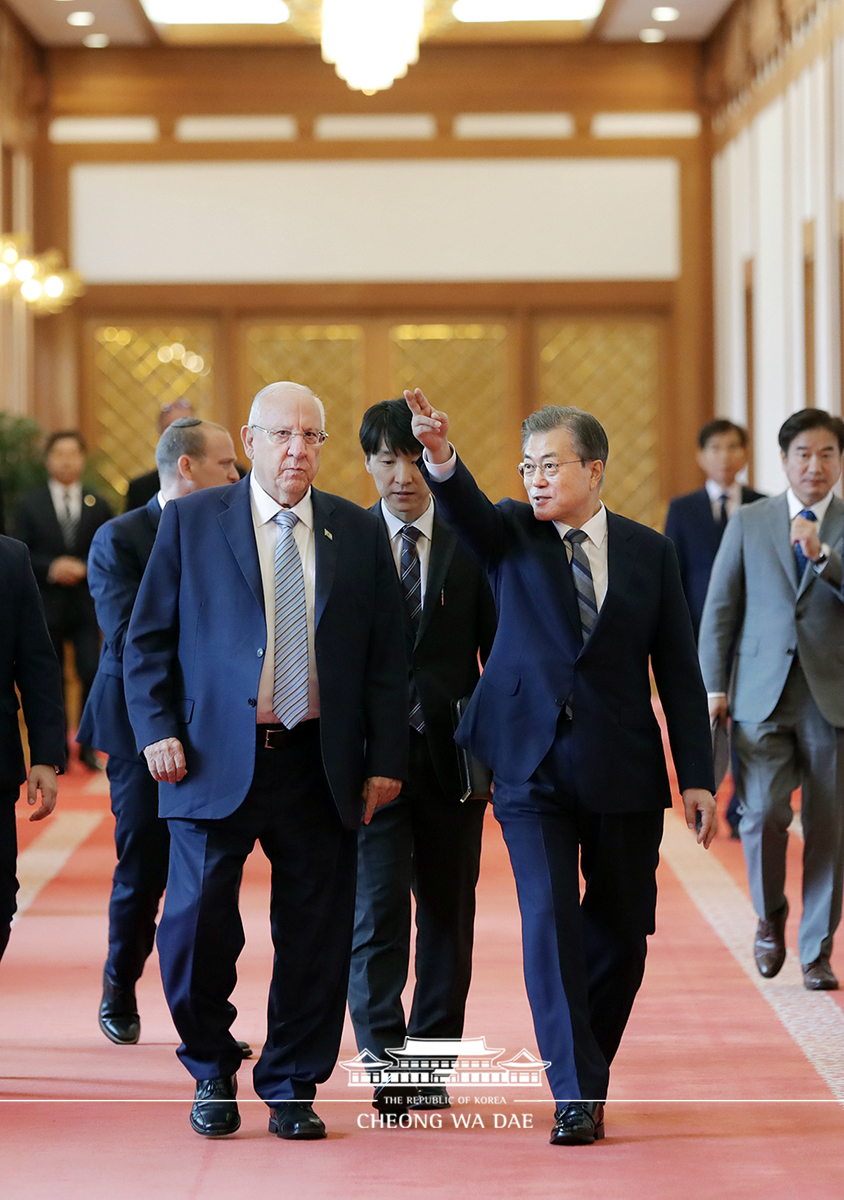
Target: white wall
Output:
[(785, 169), (303, 221)]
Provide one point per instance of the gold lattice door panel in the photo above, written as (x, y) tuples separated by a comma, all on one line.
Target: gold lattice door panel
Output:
[(329, 359), (137, 369), (611, 369), (463, 369)]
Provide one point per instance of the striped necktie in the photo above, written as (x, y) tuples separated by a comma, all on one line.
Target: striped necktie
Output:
[(68, 522), (411, 586), (799, 557), (290, 665), (581, 573)]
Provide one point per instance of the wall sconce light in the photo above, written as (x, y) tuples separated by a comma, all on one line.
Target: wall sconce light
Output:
[(40, 279)]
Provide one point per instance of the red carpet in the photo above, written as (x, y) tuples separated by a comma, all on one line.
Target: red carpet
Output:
[(710, 1096)]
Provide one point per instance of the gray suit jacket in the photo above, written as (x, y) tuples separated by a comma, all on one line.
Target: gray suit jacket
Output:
[(757, 617)]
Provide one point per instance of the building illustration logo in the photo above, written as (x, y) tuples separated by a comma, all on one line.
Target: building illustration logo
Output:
[(462, 1062)]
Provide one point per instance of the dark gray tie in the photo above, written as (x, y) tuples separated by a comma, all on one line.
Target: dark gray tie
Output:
[(411, 586), (68, 522), (584, 585)]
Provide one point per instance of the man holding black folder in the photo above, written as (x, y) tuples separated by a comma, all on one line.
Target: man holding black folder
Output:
[(427, 840)]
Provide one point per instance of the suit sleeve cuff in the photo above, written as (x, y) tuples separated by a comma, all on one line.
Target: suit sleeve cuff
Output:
[(440, 471)]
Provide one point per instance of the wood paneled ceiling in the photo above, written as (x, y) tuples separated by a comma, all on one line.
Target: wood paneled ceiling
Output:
[(125, 23)]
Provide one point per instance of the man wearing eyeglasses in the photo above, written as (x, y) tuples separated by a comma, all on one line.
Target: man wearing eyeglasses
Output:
[(266, 681), (586, 600)]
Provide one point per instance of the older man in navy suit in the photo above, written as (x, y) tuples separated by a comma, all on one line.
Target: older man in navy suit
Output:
[(586, 601), (29, 668), (190, 455), (267, 686)]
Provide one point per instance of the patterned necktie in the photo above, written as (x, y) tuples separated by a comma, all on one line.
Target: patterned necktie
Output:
[(581, 573), (290, 667), (411, 586), (68, 523), (799, 556)]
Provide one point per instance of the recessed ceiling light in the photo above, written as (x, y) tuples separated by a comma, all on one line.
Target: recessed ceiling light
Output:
[(96, 41), (216, 12), (665, 14), (526, 10), (81, 18), (652, 35)]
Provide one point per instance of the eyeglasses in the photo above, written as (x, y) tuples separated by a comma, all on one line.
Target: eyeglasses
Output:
[(280, 437), (549, 469)]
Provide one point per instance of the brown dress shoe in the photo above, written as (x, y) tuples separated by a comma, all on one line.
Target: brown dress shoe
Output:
[(769, 943), (818, 976)]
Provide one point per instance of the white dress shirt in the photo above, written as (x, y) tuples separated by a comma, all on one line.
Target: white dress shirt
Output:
[(425, 525), (63, 496), (715, 491), (264, 508)]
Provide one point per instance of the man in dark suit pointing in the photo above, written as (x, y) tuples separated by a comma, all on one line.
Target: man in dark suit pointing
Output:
[(190, 455), (427, 840), (267, 686), (586, 601)]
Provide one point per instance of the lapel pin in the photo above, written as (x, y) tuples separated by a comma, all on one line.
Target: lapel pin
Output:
[(330, 536)]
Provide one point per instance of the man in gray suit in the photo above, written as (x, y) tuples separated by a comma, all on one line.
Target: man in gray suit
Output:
[(772, 654)]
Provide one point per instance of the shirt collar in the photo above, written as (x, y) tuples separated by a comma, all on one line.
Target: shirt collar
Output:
[(266, 507), (715, 491), (425, 523), (819, 509), (595, 528), (60, 489)]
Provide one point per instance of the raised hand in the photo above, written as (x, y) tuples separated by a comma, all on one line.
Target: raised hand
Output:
[(429, 426)]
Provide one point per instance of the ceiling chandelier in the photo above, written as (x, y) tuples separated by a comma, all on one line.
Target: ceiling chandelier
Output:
[(39, 279), (371, 42)]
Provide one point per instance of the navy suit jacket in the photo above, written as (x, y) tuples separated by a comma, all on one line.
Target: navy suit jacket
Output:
[(116, 562), (197, 638), (28, 663), (36, 524), (539, 670), (696, 536), (458, 620)]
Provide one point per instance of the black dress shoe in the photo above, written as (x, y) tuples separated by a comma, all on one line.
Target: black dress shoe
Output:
[(88, 758), (818, 976), (296, 1121), (392, 1101), (580, 1123), (119, 1018), (769, 943), (245, 1049), (214, 1112), (429, 1097)]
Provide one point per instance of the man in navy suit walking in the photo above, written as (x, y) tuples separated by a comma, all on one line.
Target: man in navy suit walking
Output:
[(586, 601), (696, 522), (266, 680), (190, 455)]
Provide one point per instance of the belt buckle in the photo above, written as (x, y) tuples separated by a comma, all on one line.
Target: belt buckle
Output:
[(269, 738)]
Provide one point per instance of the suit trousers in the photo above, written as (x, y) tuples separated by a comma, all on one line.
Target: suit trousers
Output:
[(583, 960), (8, 862), (75, 621), (289, 809), (795, 747), (431, 845), (142, 840)]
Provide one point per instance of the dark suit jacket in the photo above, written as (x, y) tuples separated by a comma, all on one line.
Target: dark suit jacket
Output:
[(28, 662), (458, 619), (116, 562), (197, 637), (38, 526), (696, 537), (538, 665)]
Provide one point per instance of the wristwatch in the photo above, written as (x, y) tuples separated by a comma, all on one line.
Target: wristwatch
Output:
[(822, 557)]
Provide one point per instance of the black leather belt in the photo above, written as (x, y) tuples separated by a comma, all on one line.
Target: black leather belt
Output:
[(276, 737)]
